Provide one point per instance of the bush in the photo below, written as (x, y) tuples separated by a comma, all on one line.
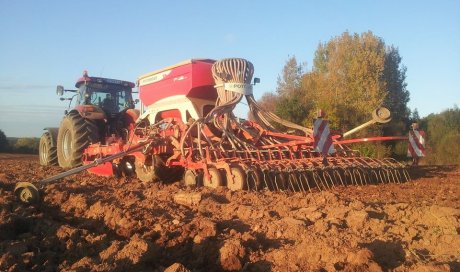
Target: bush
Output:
[(373, 150), (26, 146), (443, 137)]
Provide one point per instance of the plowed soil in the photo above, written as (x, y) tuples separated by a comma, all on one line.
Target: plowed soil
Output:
[(89, 223)]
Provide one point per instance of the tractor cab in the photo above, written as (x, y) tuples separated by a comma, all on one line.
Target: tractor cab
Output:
[(111, 95)]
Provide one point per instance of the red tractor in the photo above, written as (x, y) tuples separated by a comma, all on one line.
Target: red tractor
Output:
[(104, 109)]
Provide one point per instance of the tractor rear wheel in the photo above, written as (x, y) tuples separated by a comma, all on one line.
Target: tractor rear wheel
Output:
[(154, 170), (75, 134), (47, 150)]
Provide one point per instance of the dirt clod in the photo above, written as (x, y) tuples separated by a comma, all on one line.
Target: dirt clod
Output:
[(89, 223)]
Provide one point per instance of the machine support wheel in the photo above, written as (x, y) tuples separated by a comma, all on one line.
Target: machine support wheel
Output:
[(144, 172), (238, 182), (26, 193), (190, 178), (75, 134), (215, 180), (47, 151), (154, 170)]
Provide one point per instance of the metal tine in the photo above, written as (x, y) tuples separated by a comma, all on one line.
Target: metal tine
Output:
[(373, 171), (348, 177), (292, 181), (357, 174), (289, 173), (275, 181), (327, 177), (352, 177), (303, 177), (323, 180), (315, 175), (265, 180), (299, 180), (296, 175), (381, 176), (247, 180), (406, 175), (367, 178), (337, 174), (401, 167), (251, 174), (362, 175), (354, 180), (396, 174), (390, 174)]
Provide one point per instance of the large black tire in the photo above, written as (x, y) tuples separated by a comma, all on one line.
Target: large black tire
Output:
[(154, 170), (75, 134), (47, 151)]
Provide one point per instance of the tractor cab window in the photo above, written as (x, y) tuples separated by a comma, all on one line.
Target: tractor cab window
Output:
[(111, 99)]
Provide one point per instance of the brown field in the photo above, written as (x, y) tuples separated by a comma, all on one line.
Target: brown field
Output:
[(89, 223)]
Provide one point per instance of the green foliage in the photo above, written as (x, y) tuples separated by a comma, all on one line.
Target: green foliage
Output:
[(292, 108), (26, 145), (353, 75), (291, 78), (443, 137), (3, 142), (374, 150)]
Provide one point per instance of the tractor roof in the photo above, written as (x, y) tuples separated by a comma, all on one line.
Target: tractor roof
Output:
[(86, 78)]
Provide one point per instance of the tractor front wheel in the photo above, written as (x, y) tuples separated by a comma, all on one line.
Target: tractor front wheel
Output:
[(47, 150)]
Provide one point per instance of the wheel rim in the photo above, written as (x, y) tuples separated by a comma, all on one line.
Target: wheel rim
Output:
[(239, 179), (67, 144), (43, 152)]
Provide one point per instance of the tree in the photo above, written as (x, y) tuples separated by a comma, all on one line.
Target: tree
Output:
[(3, 142), (414, 116), (397, 96), (352, 75), (27, 145), (291, 77), (268, 101), (292, 103)]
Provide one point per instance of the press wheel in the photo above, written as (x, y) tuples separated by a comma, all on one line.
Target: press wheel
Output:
[(238, 182), (190, 178), (215, 180)]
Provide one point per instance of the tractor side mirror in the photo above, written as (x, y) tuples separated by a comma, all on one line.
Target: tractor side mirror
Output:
[(59, 90), (256, 80)]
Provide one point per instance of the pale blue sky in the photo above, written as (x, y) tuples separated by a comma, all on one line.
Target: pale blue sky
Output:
[(46, 43)]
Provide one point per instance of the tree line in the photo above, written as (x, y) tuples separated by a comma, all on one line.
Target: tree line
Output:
[(351, 75), (18, 145)]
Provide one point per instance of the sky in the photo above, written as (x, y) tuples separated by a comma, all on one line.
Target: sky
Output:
[(48, 43)]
